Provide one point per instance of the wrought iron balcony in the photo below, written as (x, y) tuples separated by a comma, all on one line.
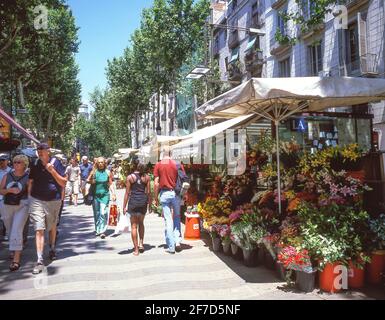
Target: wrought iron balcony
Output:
[(234, 72), (253, 58)]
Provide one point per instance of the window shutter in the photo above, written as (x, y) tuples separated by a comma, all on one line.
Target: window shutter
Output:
[(362, 43)]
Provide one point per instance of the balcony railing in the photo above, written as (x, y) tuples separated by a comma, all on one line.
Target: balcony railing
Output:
[(234, 72), (369, 64), (253, 58)]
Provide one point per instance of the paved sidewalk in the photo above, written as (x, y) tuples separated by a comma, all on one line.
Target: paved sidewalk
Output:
[(92, 268)]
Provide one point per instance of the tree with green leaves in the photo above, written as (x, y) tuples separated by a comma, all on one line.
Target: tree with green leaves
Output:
[(308, 15), (37, 66)]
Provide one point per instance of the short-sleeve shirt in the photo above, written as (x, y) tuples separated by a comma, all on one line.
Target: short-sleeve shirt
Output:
[(2, 174), (73, 173), (44, 186), (167, 172), (85, 171)]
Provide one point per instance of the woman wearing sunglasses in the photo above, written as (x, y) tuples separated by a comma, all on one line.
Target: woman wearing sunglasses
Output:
[(15, 213), (102, 180)]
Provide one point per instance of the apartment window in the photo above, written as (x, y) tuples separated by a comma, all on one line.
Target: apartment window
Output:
[(284, 68), (315, 59), (308, 7), (227, 63), (255, 15), (352, 47), (280, 22)]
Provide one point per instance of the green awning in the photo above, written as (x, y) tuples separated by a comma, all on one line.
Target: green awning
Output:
[(234, 55), (251, 43)]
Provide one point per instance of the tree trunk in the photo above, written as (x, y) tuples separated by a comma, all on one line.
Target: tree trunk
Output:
[(49, 125), (20, 89)]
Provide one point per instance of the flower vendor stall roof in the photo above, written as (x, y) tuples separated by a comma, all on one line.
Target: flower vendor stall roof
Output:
[(276, 99), (189, 147), (13, 123), (149, 152)]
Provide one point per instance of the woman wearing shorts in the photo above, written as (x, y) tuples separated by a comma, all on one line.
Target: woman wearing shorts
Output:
[(137, 196)]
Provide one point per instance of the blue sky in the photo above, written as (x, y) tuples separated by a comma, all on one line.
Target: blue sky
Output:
[(105, 29)]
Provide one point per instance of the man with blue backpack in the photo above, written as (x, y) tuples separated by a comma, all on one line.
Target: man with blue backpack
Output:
[(170, 182)]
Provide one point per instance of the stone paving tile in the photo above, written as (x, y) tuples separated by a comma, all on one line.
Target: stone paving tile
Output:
[(92, 268)]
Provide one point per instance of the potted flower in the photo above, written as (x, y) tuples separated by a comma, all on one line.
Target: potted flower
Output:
[(298, 260), (377, 265), (214, 233), (348, 158), (290, 154), (224, 233)]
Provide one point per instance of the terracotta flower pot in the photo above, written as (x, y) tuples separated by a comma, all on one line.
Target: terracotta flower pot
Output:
[(356, 276), (377, 267), (329, 278)]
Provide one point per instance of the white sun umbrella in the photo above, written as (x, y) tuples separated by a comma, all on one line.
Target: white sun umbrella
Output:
[(276, 99)]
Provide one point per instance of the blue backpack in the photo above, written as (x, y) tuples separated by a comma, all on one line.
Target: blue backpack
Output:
[(181, 178)]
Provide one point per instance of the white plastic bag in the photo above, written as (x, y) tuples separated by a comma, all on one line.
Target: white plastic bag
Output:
[(124, 225)]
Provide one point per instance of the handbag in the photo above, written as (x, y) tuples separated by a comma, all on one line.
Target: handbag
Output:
[(89, 197), (12, 199), (113, 216)]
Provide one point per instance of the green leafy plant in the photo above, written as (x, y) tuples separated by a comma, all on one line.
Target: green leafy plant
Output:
[(377, 227), (333, 233)]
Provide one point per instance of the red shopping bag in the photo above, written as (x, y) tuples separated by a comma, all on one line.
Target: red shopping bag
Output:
[(113, 218)]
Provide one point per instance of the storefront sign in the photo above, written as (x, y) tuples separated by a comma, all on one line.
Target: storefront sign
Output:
[(299, 125)]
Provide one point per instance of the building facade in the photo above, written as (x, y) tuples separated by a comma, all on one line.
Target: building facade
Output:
[(144, 125), (338, 47)]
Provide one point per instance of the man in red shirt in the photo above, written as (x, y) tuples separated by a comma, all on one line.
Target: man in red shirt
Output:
[(166, 174)]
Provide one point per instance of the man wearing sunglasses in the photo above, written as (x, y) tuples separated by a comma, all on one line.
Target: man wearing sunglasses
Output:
[(46, 182), (4, 169)]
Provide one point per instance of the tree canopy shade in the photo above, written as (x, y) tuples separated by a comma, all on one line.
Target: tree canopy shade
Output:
[(170, 31), (37, 66)]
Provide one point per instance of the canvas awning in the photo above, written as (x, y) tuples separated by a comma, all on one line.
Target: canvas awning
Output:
[(296, 93), (276, 99), (190, 146), (17, 126), (251, 42)]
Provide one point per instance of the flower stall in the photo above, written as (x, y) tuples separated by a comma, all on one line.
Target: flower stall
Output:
[(323, 225)]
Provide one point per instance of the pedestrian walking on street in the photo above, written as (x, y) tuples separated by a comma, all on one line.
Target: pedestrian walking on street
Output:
[(47, 178), (4, 169), (137, 196), (166, 174), (85, 170), (102, 183), (73, 176), (13, 187)]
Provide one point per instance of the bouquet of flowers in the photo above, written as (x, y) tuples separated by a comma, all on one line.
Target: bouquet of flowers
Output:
[(294, 259), (214, 230), (224, 233)]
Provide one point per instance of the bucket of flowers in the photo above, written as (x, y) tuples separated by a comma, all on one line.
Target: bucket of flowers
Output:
[(298, 260), (224, 233), (214, 231)]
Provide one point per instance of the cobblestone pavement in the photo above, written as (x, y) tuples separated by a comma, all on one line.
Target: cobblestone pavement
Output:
[(92, 268)]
